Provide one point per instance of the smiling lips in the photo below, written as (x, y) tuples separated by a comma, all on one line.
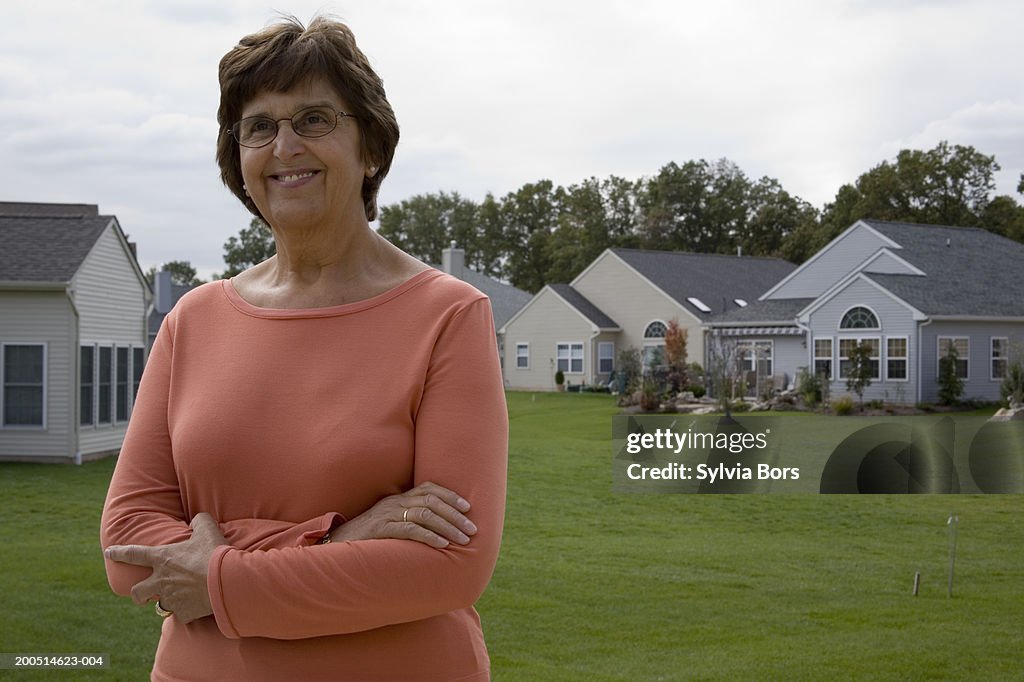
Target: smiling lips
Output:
[(295, 176)]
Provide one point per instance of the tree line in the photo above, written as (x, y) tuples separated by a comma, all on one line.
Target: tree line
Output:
[(543, 233)]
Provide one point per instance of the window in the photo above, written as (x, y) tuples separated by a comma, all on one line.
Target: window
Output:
[(655, 330), (605, 357), (570, 358), (104, 392), (896, 359), (1000, 354), (823, 358), (522, 356), (122, 384), (847, 345), (86, 385), (962, 344), (859, 317), (24, 376), (138, 362), (757, 357)]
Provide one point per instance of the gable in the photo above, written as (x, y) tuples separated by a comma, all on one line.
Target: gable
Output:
[(834, 262)]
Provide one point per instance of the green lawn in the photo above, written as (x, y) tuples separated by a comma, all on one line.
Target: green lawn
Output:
[(596, 585)]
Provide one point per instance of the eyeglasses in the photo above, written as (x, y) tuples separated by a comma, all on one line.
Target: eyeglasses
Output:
[(259, 131)]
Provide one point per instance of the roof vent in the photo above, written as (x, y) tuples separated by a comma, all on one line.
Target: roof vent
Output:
[(740, 302), (947, 242)]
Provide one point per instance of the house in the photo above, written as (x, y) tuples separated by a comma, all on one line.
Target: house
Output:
[(908, 291), (73, 305), (625, 299), (506, 300)]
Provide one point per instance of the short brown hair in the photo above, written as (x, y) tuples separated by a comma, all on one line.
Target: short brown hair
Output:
[(286, 54)]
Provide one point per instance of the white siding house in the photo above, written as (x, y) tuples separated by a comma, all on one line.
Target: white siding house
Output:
[(73, 306), (625, 299), (909, 291)]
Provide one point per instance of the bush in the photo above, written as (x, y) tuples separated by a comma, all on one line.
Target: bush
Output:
[(698, 391), (559, 377), (1012, 388), (810, 387), (951, 386), (843, 405), (876, 404)]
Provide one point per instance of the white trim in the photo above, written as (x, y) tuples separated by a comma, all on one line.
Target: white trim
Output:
[(526, 345), (838, 288), (992, 358), (647, 340), (871, 310), (599, 358), (860, 223), (859, 339), (45, 385), (905, 358), (966, 357), (583, 356), (831, 357)]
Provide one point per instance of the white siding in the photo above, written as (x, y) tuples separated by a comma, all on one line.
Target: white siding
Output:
[(31, 317), (633, 303), (112, 303), (544, 323), (831, 264)]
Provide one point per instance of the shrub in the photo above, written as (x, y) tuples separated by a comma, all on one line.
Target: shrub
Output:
[(951, 386), (1012, 388), (843, 405), (810, 387), (698, 391), (876, 404), (559, 377)]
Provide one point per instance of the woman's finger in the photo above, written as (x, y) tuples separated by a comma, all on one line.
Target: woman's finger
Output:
[(449, 496), (138, 555), (427, 519), (439, 507)]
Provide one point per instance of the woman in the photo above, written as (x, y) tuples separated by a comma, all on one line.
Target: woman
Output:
[(286, 492)]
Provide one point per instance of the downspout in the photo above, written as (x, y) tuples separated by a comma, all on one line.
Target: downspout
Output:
[(593, 355), (920, 359), (76, 374)]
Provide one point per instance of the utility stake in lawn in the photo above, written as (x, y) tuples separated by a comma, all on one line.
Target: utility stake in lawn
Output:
[(952, 523)]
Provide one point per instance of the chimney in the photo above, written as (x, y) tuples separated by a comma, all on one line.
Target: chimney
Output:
[(162, 292), (453, 261)]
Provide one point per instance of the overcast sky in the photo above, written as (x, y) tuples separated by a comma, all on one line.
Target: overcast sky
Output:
[(114, 103)]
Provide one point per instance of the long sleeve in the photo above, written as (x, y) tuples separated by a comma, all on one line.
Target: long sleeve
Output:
[(461, 440)]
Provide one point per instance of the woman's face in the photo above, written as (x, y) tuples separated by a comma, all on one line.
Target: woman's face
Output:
[(298, 180)]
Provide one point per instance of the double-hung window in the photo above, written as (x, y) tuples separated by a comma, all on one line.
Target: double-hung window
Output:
[(87, 385), (605, 357), (823, 358), (875, 358), (569, 358), (962, 344), (522, 356), (896, 358), (24, 383), (1000, 355)]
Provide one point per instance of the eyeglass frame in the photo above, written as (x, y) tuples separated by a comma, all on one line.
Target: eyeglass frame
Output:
[(339, 115)]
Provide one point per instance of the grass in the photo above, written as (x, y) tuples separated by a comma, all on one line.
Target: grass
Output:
[(596, 585)]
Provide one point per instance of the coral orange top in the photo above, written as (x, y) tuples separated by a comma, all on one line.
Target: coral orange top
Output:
[(281, 422)]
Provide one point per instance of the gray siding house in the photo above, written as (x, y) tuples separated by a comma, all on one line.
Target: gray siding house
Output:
[(625, 299), (73, 305), (909, 291)]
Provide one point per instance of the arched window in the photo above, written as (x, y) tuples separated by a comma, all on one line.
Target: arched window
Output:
[(655, 330), (859, 318)]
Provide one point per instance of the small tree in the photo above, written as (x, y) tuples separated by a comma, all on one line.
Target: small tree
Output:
[(725, 369), (1012, 388), (951, 386), (628, 368), (675, 354), (182, 272), (860, 369), (254, 244)]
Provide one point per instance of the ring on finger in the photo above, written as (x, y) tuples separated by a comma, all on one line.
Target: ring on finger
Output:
[(161, 611), (405, 515)]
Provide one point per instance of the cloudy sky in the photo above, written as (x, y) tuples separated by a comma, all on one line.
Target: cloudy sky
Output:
[(113, 103)]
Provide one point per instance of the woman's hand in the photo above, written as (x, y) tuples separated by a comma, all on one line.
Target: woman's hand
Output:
[(429, 513), (179, 574)]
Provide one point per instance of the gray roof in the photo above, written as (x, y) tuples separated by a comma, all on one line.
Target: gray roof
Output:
[(772, 311), (46, 242), (714, 279), (969, 271), (506, 300), (582, 304)]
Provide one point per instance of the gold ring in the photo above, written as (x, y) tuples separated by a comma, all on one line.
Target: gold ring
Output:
[(405, 516), (161, 611)]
